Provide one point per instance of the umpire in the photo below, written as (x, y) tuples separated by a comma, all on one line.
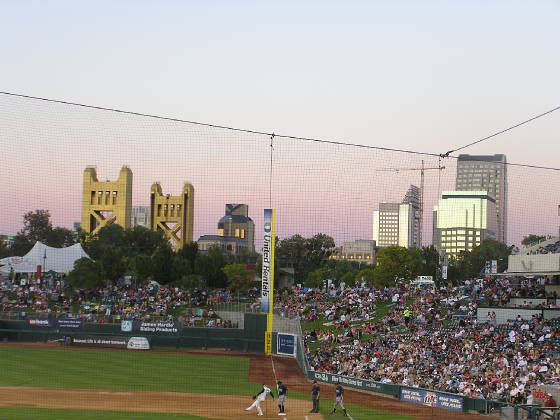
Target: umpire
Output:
[(282, 391), (315, 391)]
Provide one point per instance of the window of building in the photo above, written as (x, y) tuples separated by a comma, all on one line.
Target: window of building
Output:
[(220, 232)]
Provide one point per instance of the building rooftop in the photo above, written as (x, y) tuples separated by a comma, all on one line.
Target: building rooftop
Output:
[(483, 158), (467, 194)]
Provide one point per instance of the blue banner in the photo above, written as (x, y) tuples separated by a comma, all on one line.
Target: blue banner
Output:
[(286, 344), (431, 398)]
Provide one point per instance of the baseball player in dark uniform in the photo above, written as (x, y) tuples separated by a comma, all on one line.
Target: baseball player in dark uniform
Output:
[(282, 391), (315, 392), (339, 399)]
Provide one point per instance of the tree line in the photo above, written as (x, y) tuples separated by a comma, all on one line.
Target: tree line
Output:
[(144, 254)]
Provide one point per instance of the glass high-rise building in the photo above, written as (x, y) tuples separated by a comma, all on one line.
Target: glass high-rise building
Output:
[(462, 220), (486, 173)]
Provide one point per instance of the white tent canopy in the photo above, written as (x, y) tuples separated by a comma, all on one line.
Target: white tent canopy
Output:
[(60, 260)]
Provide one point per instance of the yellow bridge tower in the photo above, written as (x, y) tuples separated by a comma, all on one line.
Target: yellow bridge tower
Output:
[(105, 203), (173, 214)]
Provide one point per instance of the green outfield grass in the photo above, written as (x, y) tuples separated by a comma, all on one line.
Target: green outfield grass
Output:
[(89, 369), (135, 371)]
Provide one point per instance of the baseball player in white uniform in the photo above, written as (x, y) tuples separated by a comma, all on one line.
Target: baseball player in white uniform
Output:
[(260, 397)]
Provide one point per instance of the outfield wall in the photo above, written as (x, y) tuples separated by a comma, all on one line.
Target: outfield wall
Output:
[(249, 339)]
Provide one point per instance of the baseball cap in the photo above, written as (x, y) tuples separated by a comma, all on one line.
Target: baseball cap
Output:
[(279, 382)]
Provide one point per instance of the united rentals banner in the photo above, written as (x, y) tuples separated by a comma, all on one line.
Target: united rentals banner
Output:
[(267, 298)]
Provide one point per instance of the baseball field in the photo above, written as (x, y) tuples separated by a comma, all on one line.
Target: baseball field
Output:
[(42, 381)]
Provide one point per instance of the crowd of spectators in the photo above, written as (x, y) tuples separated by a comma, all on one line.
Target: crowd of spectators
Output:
[(51, 298), (441, 346), (547, 249)]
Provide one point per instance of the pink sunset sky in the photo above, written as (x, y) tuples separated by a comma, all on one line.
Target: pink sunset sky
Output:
[(427, 76)]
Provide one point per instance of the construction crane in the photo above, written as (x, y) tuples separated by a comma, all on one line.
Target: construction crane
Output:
[(421, 209)]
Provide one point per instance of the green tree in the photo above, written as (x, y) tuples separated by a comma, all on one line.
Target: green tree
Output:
[(191, 281), (189, 251), (305, 254), (430, 261), (317, 250), (4, 250), (488, 250), (238, 277), (179, 268), (112, 235), (349, 279), (113, 263), (36, 226), (141, 266), (86, 274), (21, 245), (397, 263), (60, 237), (139, 240), (162, 264), (532, 239), (315, 278), (209, 266), (290, 252)]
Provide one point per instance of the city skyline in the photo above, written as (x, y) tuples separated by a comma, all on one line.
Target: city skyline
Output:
[(427, 77)]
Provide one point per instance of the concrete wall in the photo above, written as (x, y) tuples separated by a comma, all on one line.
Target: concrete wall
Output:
[(530, 301), (505, 314), (533, 263)]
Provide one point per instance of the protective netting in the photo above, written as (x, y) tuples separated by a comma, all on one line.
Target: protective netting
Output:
[(315, 187)]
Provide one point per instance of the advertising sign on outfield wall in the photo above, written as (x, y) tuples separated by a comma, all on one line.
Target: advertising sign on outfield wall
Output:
[(131, 343), (99, 341), (138, 343), (66, 323), (286, 344), (71, 324), (158, 327), (432, 399), (33, 322)]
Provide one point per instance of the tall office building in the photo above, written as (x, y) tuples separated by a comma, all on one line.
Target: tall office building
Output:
[(398, 223), (462, 220), (486, 173)]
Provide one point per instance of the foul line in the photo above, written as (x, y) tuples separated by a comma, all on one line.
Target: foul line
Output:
[(273, 370)]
